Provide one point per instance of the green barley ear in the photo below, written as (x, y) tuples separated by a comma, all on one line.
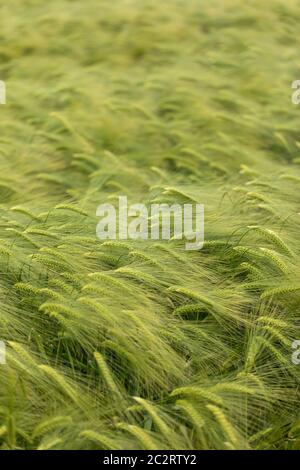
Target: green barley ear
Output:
[(105, 372), (253, 270), (142, 436), (70, 207), (54, 307), (50, 443), (158, 421), (271, 236), (191, 294), (23, 236), (225, 424), (196, 393), (24, 211), (27, 288), (23, 354), (273, 256), (60, 381), (192, 413), (191, 310), (51, 423), (139, 276), (111, 282), (277, 291), (276, 334), (100, 439), (146, 259), (233, 388), (42, 233)]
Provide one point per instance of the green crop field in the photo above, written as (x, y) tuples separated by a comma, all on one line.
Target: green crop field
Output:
[(142, 344)]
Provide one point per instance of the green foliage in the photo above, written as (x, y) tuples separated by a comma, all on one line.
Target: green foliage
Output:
[(142, 344)]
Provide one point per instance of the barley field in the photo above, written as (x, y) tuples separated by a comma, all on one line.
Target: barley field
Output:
[(142, 344)]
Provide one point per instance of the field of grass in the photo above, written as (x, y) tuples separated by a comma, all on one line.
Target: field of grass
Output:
[(143, 344)]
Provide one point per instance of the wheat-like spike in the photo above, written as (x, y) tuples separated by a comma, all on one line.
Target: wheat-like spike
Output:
[(104, 370), (24, 211), (147, 259), (70, 207), (254, 271), (5, 251), (65, 323), (178, 192), (80, 239), (291, 177), (51, 423), (258, 196), (189, 309), (273, 238), (42, 233), (97, 307), (23, 236), (87, 158), (3, 430), (138, 275), (160, 424), (225, 424), (268, 345), (49, 444), (192, 413), (269, 209), (103, 441), (94, 289), (23, 353), (110, 281), (24, 366), (52, 179), (27, 288), (62, 285), (273, 321), (106, 258), (74, 278), (276, 334), (52, 294), (273, 256), (50, 263), (197, 393), (246, 170), (117, 244), (61, 382), (252, 353), (55, 253), (260, 434), (51, 307), (191, 294), (233, 388), (142, 436), (282, 290), (122, 352)]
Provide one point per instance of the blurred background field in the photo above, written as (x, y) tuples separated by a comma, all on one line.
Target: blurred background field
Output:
[(127, 345)]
